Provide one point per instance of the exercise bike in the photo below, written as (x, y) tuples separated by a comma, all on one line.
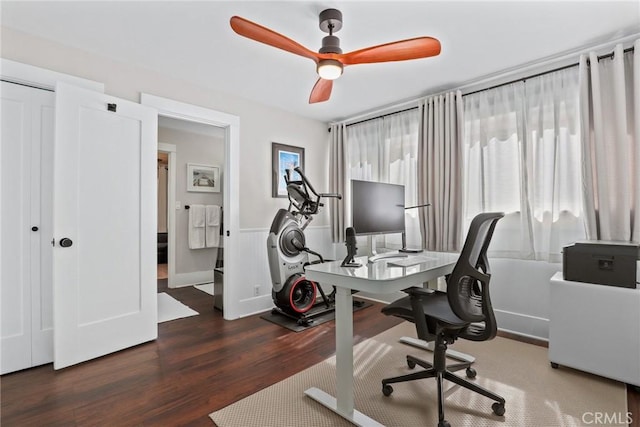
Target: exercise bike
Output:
[(293, 295)]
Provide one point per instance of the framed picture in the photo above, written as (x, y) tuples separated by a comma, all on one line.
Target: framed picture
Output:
[(284, 157), (203, 178)]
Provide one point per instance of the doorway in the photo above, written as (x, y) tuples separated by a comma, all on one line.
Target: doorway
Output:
[(196, 147), (163, 213), (229, 126)]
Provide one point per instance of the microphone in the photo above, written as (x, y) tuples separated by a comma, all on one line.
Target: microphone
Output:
[(352, 250)]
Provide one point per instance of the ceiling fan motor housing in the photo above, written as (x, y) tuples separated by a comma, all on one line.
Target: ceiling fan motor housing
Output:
[(330, 44)]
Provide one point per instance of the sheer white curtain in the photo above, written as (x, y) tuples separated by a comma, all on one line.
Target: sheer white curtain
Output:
[(385, 150), (401, 143), (493, 130), (365, 154), (553, 163), (610, 110), (522, 157), (363, 157)]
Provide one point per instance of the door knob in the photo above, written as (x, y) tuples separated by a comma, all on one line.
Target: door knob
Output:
[(34, 228), (66, 242)]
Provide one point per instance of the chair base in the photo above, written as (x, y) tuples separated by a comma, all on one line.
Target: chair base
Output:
[(444, 374), (429, 346)]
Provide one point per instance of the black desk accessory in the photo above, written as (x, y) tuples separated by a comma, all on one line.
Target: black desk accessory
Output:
[(352, 250)]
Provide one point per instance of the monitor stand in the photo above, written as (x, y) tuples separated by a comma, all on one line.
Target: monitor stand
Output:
[(375, 256), (410, 251), (404, 246)]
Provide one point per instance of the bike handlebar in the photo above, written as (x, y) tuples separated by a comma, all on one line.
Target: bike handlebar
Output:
[(305, 204), (335, 195)]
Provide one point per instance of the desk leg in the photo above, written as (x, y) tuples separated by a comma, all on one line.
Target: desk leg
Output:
[(344, 350), (343, 405)]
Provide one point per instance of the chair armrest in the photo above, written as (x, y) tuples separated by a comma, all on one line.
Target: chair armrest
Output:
[(416, 296)]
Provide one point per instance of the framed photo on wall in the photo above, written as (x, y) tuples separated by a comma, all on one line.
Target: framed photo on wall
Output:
[(284, 157), (203, 178)]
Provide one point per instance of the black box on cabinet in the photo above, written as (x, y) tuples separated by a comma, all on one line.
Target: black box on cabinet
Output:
[(604, 263)]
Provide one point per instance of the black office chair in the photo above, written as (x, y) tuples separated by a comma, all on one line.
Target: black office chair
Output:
[(464, 311)]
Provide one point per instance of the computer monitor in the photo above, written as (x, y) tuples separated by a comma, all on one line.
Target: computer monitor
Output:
[(377, 207)]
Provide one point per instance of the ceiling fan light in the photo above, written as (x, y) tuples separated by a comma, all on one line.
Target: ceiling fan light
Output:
[(329, 69)]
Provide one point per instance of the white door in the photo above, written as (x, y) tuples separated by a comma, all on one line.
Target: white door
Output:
[(105, 206), (26, 337)]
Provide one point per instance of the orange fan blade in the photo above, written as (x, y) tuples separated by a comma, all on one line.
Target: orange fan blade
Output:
[(321, 91), (264, 35), (420, 47)]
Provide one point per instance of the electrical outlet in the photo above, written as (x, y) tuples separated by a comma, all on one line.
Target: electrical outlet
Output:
[(256, 290)]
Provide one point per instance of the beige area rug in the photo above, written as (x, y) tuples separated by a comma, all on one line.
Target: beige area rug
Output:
[(536, 394), (170, 308)]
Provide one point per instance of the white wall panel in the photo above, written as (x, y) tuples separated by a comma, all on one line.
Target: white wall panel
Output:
[(520, 295), (253, 248)]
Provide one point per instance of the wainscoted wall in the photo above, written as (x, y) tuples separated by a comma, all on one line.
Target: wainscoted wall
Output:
[(519, 288), (520, 295), (255, 277), (192, 278)]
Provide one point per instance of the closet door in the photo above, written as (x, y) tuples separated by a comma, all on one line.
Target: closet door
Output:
[(105, 216), (26, 221)]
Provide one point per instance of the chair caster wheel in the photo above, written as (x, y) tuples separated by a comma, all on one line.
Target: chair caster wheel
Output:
[(444, 423), (410, 363), (554, 365), (498, 409), (387, 390), (471, 373)]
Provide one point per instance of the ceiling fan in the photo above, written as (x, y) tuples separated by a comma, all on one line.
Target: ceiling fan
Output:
[(330, 61)]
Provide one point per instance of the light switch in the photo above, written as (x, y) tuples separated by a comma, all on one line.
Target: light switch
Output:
[(178, 205)]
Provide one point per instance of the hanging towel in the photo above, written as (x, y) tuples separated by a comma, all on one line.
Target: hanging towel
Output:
[(196, 227), (213, 226)]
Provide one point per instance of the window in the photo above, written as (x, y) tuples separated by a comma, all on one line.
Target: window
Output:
[(522, 157), (386, 150)]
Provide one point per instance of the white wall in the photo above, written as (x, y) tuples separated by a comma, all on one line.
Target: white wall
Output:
[(520, 295), (520, 289), (259, 125)]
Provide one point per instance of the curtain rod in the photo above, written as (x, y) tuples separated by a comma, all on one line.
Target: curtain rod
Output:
[(564, 67), (382, 116), (379, 117), (608, 55)]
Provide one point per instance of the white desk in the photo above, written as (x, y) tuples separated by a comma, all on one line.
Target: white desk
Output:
[(378, 277)]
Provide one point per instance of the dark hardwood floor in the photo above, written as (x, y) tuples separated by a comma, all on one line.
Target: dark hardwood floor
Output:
[(196, 366)]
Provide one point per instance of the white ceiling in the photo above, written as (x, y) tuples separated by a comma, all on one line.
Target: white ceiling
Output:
[(193, 41)]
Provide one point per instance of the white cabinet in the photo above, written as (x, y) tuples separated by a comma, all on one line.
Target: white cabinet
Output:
[(26, 155), (595, 328)]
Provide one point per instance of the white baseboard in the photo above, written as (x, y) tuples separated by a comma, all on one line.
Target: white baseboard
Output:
[(256, 305), (193, 278), (523, 335), (522, 324)]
